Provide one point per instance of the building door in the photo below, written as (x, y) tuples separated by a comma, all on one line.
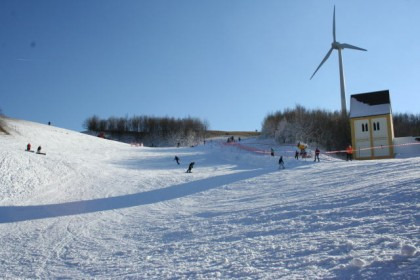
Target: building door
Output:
[(362, 135), (380, 137)]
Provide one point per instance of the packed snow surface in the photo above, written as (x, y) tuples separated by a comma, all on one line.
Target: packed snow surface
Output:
[(95, 208)]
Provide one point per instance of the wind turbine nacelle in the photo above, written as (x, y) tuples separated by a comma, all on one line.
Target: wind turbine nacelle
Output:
[(336, 45)]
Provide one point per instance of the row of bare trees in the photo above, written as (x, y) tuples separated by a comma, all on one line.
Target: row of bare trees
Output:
[(2, 125), (330, 130), (161, 131), (317, 127), (406, 124)]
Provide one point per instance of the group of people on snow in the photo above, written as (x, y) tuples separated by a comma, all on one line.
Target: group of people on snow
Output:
[(28, 149), (302, 147), (190, 166)]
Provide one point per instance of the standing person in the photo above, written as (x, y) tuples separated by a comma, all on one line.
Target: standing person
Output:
[(296, 154), (190, 167), (272, 152), (317, 151), (349, 153), (28, 147), (176, 159), (281, 162), (38, 150)]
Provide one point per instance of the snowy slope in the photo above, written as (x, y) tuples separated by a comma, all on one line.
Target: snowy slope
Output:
[(94, 208)]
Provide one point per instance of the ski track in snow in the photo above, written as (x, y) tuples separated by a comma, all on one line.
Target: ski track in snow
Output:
[(93, 208)]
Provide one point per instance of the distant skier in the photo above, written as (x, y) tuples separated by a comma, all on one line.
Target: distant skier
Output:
[(317, 151), (281, 162), (38, 151), (349, 153), (176, 159), (28, 147), (272, 152), (296, 154), (190, 167)]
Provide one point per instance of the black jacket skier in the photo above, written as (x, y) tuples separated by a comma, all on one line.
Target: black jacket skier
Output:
[(190, 167), (176, 159), (281, 162)]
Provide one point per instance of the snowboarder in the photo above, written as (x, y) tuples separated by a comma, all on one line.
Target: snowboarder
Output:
[(281, 162), (176, 159), (272, 152), (317, 151), (349, 153), (28, 147), (190, 167)]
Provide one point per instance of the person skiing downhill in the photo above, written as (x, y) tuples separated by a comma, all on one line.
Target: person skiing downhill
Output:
[(190, 167), (176, 159), (281, 162)]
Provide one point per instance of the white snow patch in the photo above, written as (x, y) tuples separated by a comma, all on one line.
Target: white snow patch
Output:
[(94, 208)]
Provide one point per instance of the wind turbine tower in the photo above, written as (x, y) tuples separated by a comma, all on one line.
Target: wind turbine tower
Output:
[(339, 46)]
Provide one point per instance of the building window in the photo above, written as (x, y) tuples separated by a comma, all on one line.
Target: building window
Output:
[(366, 127), (377, 125)]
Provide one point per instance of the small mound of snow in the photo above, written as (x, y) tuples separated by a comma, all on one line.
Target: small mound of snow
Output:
[(408, 250), (357, 263)]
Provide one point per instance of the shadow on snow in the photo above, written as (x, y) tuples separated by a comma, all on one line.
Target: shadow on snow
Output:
[(9, 214)]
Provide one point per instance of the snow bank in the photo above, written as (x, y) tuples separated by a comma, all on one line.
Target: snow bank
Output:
[(94, 208)]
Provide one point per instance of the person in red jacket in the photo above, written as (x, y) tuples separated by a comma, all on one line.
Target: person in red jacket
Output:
[(28, 147), (349, 153)]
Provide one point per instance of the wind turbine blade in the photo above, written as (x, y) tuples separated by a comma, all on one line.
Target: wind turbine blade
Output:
[(348, 46), (334, 24), (322, 62)]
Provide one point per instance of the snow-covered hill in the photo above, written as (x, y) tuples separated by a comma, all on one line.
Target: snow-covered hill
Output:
[(94, 208)]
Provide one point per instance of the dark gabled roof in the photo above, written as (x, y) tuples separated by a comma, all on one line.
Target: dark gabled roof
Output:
[(373, 98), (370, 104)]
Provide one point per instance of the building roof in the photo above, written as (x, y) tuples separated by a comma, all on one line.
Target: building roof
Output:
[(370, 104)]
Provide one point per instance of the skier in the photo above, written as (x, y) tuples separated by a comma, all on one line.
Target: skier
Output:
[(317, 151), (176, 159), (272, 152), (38, 151), (296, 154), (190, 167), (28, 147), (281, 162), (349, 153)]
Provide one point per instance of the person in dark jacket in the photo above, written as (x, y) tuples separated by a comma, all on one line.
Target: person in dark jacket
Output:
[(317, 152), (38, 150), (281, 162), (296, 155), (176, 159), (190, 167)]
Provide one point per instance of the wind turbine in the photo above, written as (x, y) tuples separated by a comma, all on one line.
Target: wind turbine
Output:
[(339, 46)]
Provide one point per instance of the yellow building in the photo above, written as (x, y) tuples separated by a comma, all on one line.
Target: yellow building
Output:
[(372, 130)]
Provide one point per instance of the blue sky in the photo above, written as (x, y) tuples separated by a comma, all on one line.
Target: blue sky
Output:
[(228, 62)]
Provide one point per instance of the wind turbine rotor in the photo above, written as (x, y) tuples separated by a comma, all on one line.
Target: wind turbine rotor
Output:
[(348, 46), (334, 25), (322, 62)]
